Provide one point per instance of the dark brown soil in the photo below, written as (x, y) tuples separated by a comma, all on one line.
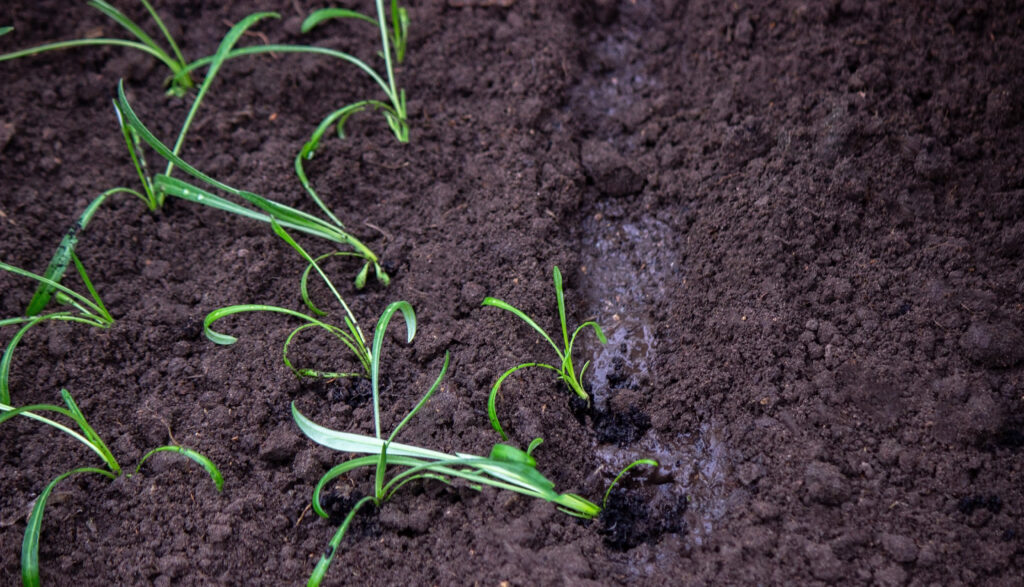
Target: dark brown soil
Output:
[(801, 224)]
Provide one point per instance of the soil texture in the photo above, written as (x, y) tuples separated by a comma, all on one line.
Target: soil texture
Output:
[(799, 223)]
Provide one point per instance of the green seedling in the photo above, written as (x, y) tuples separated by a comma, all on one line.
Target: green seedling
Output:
[(395, 111), (350, 335), (564, 368), (507, 467), (86, 310), (86, 435), (333, 230), (179, 81)]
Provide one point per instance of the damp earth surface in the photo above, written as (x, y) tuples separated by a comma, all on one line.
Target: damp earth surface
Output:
[(799, 223)]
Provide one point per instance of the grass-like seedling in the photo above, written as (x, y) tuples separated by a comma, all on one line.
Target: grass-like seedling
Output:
[(179, 81), (507, 467), (269, 210), (350, 335), (86, 435), (155, 189), (564, 368), (394, 110), (86, 310)]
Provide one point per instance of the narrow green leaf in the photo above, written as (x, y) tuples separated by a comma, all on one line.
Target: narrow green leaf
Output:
[(649, 462), (92, 290), (560, 295), (285, 49), (303, 282), (492, 399), (345, 338), (138, 157), (91, 43), (226, 44), (378, 341), (238, 309), (325, 14), (511, 454), (181, 189), (83, 303), (378, 478), (382, 276), (357, 443), (167, 35), (423, 400), (5, 361), (5, 29), (87, 430), (195, 456), (281, 232), (29, 412), (30, 544), (494, 302), (128, 24), (325, 560), (533, 445), (360, 281)]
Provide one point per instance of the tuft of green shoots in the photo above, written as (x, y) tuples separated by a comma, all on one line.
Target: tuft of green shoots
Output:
[(507, 467), (86, 310), (350, 334), (564, 368), (393, 45), (333, 230), (89, 438), (179, 81)]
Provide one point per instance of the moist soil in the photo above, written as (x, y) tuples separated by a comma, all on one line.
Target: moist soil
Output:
[(801, 224)]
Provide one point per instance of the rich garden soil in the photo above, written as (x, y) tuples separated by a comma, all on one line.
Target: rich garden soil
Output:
[(801, 224)]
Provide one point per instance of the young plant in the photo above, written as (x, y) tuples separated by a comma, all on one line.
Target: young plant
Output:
[(564, 368), (395, 111), (506, 467), (86, 310), (88, 437), (179, 81), (350, 335), (269, 210)]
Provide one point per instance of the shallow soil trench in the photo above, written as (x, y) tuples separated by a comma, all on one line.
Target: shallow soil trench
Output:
[(628, 260)]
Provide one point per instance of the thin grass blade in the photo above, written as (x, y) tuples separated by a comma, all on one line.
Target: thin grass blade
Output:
[(127, 24), (167, 35), (62, 258), (325, 560), (85, 304), (423, 400), (533, 445), (87, 430), (501, 304), (197, 457), (378, 341), (358, 443), (492, 399), (560, 295), (162, 56), (30, 544), (5, 361), (283, 234), (346, 339), (649, 462), (215, 315), (325, 14), (91, 289), (234, 34)]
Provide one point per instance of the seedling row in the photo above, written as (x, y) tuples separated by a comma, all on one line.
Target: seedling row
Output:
[(393, 464)]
